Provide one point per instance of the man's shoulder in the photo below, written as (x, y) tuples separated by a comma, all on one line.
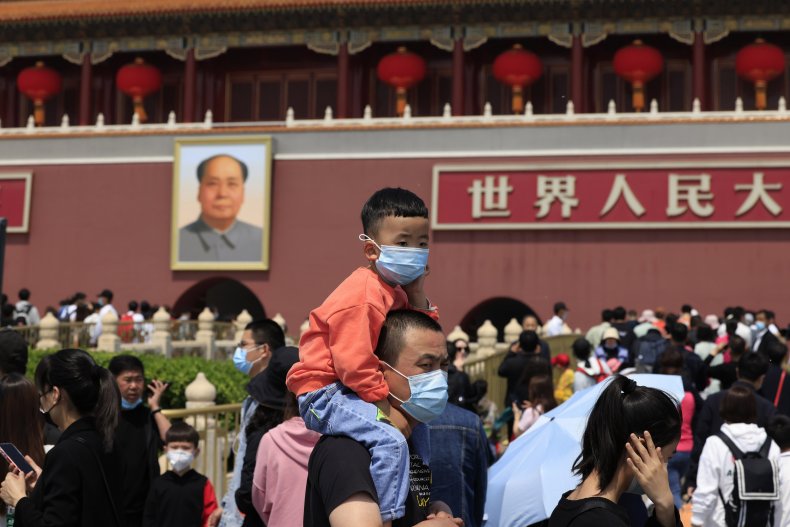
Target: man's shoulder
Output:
[(248, 228), (455, 416), (194, 227)]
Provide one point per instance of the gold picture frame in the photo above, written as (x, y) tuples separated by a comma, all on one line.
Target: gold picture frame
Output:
[(216, 226), (27, 178)]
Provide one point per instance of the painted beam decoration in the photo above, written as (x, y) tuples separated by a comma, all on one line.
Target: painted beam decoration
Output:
[(612, 195), (15, 190)]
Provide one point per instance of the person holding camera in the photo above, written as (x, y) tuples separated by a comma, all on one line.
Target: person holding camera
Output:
[(140, 434)]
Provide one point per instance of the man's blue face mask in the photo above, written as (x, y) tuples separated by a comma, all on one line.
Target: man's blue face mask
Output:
[(399, 265), (428, 395)]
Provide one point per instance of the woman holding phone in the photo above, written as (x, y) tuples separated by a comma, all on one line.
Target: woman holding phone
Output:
[(78, 484), (631, 434), (20, 423)]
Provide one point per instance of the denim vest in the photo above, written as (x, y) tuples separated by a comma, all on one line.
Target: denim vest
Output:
[(231, 517)]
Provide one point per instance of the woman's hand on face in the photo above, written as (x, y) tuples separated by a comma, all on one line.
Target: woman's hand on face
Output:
[(651, 472)]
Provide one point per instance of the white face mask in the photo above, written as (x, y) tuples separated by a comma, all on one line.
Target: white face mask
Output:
[(180, 460)]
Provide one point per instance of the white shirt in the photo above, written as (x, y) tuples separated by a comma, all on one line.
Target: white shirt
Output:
[(784, 488), (716, 468), (103, 311), (742, 331), (554, 327)]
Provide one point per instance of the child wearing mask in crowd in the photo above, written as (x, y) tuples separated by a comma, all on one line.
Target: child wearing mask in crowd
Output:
[(338, 379), (181, 496)]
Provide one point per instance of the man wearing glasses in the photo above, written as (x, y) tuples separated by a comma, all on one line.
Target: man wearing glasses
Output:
[(258, 342)]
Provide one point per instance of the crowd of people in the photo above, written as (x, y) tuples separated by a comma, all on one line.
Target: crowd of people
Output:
[(353, 427)]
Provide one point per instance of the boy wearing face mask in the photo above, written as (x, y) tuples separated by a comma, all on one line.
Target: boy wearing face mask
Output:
[(338, 379), (181, 496)]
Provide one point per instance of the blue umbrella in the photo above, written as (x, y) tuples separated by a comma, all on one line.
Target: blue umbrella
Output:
[(527, 483)]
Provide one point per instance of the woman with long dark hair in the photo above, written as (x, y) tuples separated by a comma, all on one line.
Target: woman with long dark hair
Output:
[(78, 484), (541, 400), (20, 423), (631, 434)]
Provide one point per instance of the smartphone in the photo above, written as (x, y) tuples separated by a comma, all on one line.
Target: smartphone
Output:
[(13, 455)]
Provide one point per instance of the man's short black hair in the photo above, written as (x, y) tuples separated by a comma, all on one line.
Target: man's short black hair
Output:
[(267, 331), (619, 313), (133, 305), (201, 169), (686, 308), (607, 315), (181, 432), (393, 332), (13, 352), (779, 430), (397, 202), (680, 333), (775, 352), (528, 341), (560, 306), (752, 366), (122, 363), (24, 294)]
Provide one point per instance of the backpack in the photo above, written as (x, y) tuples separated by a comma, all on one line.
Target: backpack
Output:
[(600, 376), (755, 487), (126, 328), (647, 353), (23, 315)]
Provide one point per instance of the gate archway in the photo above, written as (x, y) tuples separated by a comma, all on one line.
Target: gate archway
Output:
[(227, 295)]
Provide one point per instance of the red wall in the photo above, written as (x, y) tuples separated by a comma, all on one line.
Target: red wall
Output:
[(97, 226)]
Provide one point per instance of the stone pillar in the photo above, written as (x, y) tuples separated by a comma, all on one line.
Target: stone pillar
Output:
[(457, 333), (486, 339), (200, 393), (577, 74), (698, 69), (342, 82), (188, 114), (458, 77), (109, 339), (280, 321), (48, 333), (161, 336), (512, 331), (241, 322), (86, 87), (205, 333)]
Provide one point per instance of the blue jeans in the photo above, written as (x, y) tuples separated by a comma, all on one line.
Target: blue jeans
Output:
[(676, 468), (336, 410)]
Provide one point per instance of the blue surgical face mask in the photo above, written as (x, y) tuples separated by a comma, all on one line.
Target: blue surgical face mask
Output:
[(240, 360), (759, 325), (126, 405), (428, 395), (399, 265)]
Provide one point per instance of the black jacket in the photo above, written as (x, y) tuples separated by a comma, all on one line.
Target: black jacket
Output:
[(71, 491)]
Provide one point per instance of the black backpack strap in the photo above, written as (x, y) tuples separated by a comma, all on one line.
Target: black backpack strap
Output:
[(81, 440), (766, 448), (736, 452)]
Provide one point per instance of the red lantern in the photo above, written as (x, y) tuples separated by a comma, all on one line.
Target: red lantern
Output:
[(517, 68), (638, 64), (402, 70), (138, 80), (759, 63), (39, 83)]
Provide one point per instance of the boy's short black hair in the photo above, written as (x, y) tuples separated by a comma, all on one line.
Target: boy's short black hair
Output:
[(181, 432), (396, 202), (779, 430)]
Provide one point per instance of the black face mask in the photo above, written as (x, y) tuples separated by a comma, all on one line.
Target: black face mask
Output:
[(47, 417)]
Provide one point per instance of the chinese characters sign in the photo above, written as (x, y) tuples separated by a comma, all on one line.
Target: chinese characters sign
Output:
[(15, 189), (612, 196)]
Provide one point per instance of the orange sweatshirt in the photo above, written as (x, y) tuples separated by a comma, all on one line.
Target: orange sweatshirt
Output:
[(343, 334)]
